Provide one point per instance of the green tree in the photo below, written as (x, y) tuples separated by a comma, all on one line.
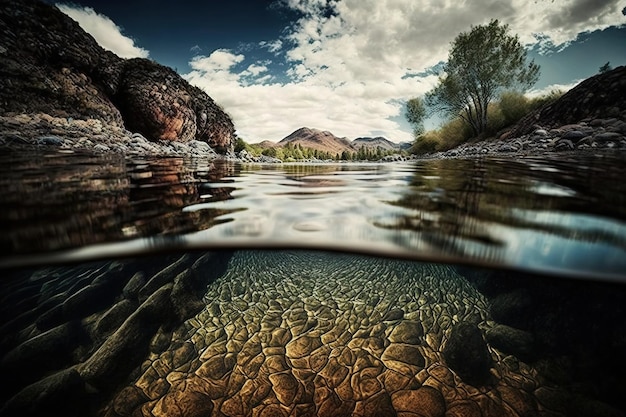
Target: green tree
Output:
[(240, 145), (605, 68), (415, 113), (481, 64)]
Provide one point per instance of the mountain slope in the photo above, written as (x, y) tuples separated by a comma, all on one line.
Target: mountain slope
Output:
[(317, 139)]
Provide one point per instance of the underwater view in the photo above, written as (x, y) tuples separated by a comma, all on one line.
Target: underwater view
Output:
[(312, 208), (460, 287)]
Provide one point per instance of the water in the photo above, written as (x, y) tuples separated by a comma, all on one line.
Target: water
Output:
[(185, 287)]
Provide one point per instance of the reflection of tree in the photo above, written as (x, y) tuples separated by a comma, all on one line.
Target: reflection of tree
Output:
[(455, 204)]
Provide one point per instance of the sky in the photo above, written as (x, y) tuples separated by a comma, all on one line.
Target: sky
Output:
[(346, 66)]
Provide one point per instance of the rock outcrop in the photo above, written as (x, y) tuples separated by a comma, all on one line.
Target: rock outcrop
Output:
[(599, 97), (49, 65)]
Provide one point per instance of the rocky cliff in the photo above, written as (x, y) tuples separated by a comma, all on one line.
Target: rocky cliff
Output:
[(600, 96), (50, 66)]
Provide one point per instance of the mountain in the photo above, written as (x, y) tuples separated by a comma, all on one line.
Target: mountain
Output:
[(374, 143), (317, 139)]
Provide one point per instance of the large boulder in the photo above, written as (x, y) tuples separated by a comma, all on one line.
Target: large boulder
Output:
[(49, 65), (466, 353)]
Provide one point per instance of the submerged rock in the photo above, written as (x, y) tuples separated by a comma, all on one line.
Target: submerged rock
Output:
[(466, 354)]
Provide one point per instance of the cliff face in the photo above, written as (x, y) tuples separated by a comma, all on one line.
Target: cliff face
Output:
[(49, 65)]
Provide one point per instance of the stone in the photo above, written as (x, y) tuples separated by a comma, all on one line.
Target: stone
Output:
[(607, 137), (513, 341), (573, 135), (564, 145), (404, 353), (425, 401), (466, 353), (407, 331), (464, 409), (514, 308)]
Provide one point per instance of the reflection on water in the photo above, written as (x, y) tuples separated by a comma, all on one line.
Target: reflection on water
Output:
[(532, 213), (58, 201)]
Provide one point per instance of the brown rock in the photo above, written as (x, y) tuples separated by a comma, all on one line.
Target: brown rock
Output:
[(55, 68), (302, 346), (425, 401), (464, 409), (183, 403), (285, 386), (273, 410), (404, 353), (407, 331)]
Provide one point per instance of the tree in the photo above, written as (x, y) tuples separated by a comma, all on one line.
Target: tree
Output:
[(415, 114), (240, 145), (605, 68), (482, 63)]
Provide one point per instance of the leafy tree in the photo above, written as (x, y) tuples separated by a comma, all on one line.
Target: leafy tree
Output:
[(415, 114), (605, 68), (240, 145), (482, 63)]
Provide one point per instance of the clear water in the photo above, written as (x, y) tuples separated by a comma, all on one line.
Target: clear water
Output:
[(565, 215), (485, 287)]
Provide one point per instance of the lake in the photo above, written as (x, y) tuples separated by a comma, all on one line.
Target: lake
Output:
[(176, 286)]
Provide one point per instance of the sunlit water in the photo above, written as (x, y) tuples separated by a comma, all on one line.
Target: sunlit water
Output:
[(162, 287)]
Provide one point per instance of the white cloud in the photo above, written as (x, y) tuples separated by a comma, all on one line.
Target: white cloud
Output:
[(348, 60), (552, 87), (273, 46), (104, 31)]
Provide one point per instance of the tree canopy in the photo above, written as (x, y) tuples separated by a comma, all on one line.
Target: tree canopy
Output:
[(415, 113), (482, 63)]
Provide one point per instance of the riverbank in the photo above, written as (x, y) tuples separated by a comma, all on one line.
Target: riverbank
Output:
[(42, 132), (587, 135)]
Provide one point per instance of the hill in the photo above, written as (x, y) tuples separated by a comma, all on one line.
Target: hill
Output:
[(374, 143), (316, 139)]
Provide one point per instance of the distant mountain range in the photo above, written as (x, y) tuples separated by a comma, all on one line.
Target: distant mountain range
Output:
[(327, 142)]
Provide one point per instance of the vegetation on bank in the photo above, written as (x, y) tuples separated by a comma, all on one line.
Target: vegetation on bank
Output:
[(294, 153), (506, 112), (480, 92)]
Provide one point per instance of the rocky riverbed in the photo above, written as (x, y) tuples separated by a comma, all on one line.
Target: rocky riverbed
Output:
[(255, 333)]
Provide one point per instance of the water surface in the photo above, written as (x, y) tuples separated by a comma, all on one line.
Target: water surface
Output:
[(564, 214)]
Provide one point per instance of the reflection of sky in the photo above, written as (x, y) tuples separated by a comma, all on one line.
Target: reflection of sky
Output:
[(584, 251), (485, 212)]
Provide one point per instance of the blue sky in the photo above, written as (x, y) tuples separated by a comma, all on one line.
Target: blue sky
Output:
[(346, 66)]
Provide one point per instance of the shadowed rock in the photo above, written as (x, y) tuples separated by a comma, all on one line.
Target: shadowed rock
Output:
[(466, 354)]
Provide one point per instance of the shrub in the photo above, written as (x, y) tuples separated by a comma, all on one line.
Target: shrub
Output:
[(513, 106), (426, 143)]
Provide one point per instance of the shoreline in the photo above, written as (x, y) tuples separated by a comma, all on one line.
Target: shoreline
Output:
[(42, 132)]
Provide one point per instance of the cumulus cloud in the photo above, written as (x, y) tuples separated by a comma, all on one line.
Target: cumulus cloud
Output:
[(104, 31), (350, 64)]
